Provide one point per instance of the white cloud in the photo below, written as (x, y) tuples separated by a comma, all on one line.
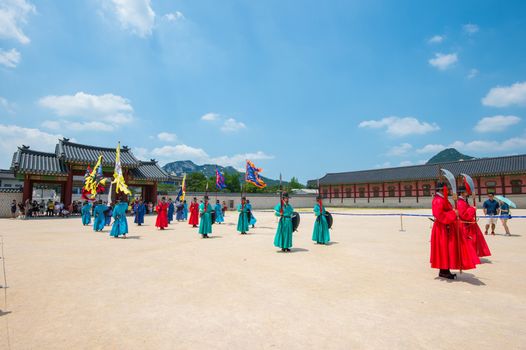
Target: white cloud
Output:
[(443, 61), (238, 161), (100, 112), (406, 163), (496, 123), (232, 125), (504, 96), (473, 73), (180, 152), (431, 148), (209, 117), (9, 58), (167, 137), (436, 39), (12, 136), (512, 144), (172, 17), (397, 126), (13, 14), (6, 105), (52, 124), (399, 150), (470, 28), (135, 15), (141, 153)]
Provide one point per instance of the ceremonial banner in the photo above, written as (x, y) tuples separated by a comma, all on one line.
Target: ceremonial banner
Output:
[(94, 181), (252, 175), (118, 178), (220, 180)]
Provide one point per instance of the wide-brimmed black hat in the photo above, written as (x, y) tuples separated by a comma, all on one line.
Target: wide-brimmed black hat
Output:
[(440, 186), (462, 189), (285, 195)]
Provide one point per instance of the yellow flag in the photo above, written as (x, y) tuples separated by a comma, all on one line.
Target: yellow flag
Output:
[(118, 178)]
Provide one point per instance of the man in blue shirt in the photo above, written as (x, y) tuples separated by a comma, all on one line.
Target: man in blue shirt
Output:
[(491, 208)]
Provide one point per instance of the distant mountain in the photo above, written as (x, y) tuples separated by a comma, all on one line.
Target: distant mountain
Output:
[(181, 167), (448, 155)]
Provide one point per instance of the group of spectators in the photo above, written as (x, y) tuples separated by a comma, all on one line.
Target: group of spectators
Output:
[(493, 208), (29, 209)]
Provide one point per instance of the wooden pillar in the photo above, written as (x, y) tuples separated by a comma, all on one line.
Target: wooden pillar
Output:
[(354, 193), (154, 193), (503, 185), (330, 193), (341, 193), (67, 193), (399, 192), (368, 193), (28, 189), (478, 189), (417, 191), (383, 192)]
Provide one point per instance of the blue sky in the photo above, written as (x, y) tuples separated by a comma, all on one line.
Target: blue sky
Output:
[(299, 87)]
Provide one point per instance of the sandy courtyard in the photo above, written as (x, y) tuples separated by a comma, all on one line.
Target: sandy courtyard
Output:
[(72, 288)]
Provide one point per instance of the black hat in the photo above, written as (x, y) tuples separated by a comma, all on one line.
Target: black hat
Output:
[(206, 197), (285, 195), (440, 186), (462, 189), (244, 198), (318, 197)]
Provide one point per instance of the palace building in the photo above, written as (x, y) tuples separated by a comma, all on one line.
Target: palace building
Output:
[(62, 171), (413, 186)]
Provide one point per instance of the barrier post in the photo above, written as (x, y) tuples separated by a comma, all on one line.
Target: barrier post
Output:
[(401, 223)]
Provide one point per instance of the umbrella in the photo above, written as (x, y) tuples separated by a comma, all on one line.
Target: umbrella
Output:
[(506, 200)]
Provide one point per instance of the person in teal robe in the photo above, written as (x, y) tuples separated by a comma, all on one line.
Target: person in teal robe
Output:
[(283, 238), (99, 217), (86, 213), (219, 212), (242, 220), (108, 213), (185, 210), (253, 220), (140, 211), (205, 213), (320, 234), (171, 210), (120, 225)]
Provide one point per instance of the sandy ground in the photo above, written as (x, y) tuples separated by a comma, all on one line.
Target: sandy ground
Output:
[(372, 288)]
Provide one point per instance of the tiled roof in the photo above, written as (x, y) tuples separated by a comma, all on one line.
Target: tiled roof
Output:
[(35, 162), (475, 167), (76, 153), (149, 171)]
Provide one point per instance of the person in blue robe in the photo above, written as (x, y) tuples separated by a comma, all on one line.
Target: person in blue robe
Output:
[(205, 224), (120, 225), (108, 213), (99, 216), (242, 219), (283, 238), (253, 219), (320, 233), (179, 211), (86, 213), (140, 211), (171, 210), (219, 212), (185, 210)]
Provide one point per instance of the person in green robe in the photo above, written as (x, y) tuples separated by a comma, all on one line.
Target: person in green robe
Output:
[(242, 220), (320, 234), (100, 217), (120, 225), (283, 238), (86, 213), (205, 213)]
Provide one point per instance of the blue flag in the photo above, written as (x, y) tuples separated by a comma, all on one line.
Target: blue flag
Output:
[(252, 175), (220, 180)]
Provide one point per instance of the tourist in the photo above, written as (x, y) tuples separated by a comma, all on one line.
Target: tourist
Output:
[(505, 214), (171, 210), (491, 208), (444, 242), (194, 213), (13, 209), (320, 233), (150, 208), (205, 212), (50, 208), (243, 220), (284, 211), (86, 213), (21, 211), (140, 210), (219, 212), (469, 226), (27, 209), (120, 224), (225, 208), (252, 220), (99, 217), (162, 214)]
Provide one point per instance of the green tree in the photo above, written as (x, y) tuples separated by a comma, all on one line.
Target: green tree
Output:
[(196, 182), (294, 184), (232, 182)]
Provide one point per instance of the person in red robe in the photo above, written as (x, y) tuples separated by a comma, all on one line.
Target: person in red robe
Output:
[(194, 213), (449, 248), (469, 226), (162, 214)]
